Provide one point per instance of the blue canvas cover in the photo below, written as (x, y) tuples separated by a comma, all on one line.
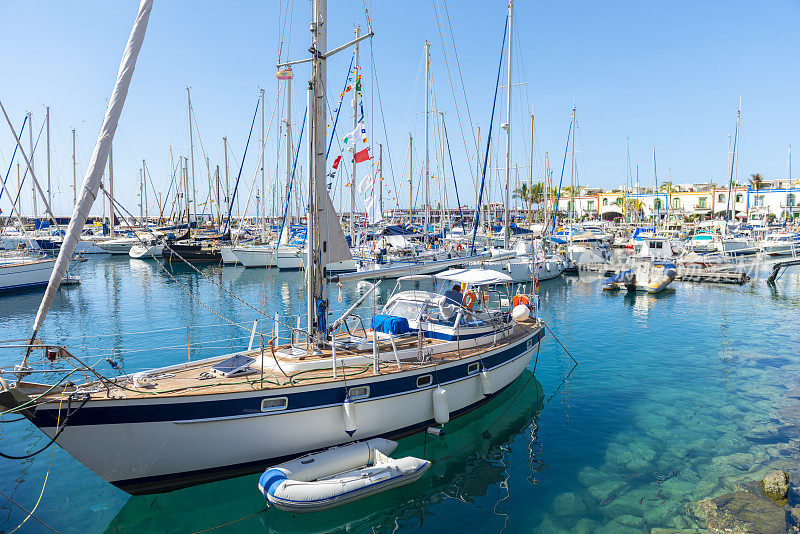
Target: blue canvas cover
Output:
[(390, 324)]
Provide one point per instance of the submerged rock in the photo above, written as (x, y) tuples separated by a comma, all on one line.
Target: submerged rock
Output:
[(741, 511), (776, 487), (568, 504)]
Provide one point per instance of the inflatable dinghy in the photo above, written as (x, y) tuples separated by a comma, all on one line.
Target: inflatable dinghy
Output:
[(338, 475), (618, 280)]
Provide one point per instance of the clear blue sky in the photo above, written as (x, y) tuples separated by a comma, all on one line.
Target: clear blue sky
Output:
[(665, 74)]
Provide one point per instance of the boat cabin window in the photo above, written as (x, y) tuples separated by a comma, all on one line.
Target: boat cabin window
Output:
[(473, 368), (424, 381), (404, 308), (358, 392), (273, 404)]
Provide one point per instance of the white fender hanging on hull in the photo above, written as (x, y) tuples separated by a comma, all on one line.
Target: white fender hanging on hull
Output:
[(486, 382), (349, 412), (441, 414)]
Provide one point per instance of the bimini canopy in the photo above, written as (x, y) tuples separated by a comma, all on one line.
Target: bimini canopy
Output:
[(475, 277)]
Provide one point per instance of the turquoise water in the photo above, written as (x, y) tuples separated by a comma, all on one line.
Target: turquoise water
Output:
[(676, 398)]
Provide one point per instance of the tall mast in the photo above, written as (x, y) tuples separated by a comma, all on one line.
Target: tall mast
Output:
[(572, 180), (144, 181), (506, 217), (627, 176), (191, 155), (263, 200), (637, 193), (317, 143), (355, 126), (380, 177), (74, 179), (289, 145), (186, 191), (546, 191), (141, 198), (49, 189), (227, 183), (530, 179), (111, 188), (19, 193), (655, 189), (410, 179), (790, 165), (427, 135), (32, 159), (731, 206), (478, 210)]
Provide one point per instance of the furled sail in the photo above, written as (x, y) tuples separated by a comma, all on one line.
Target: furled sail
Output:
[(91, 181)]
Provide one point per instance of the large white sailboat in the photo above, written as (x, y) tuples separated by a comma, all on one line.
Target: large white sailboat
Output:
[(236, 413)]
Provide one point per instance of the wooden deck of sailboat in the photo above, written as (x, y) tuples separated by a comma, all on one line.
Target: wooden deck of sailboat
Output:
[(198, 379)]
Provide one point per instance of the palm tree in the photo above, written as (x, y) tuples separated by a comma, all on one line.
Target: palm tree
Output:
[(757, 181), (669, 188)]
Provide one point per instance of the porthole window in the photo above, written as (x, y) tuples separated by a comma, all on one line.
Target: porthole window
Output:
[(358, 392), (424, 381), (273, 404), (473, 368)]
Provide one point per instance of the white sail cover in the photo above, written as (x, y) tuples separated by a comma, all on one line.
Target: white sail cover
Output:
[(330, 231), (91, 181)]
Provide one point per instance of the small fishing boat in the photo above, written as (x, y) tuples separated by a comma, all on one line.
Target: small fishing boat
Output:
[(338, 475)]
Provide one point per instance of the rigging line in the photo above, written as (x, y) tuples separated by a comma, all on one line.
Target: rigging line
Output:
[(260, 159), (12, 501), (450, 77), (383, 121), (560, 180), (47, 475), (453, 170), (460, 74), (25, 175), (489, 140), (339, 107), (201, 273), (231, 522), (238, 176), (13, 155)]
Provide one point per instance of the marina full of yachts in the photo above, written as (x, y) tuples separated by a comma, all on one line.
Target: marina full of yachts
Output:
[(313, 403)]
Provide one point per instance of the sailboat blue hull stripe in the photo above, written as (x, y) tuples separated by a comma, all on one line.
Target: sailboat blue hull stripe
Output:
[(166, 409)]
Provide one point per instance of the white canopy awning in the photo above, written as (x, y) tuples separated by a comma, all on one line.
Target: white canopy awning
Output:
[(475, 277)]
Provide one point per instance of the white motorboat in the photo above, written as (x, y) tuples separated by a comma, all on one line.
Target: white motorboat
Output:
[(120, 246), (587, 248), (780, 243), (339, 475)]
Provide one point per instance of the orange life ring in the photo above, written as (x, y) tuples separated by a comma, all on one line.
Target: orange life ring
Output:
[(469, 299), (520, 299), (459, 247)]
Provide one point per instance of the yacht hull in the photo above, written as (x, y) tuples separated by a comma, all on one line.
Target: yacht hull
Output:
[(23, 275), (256, 256), (161, 444)]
